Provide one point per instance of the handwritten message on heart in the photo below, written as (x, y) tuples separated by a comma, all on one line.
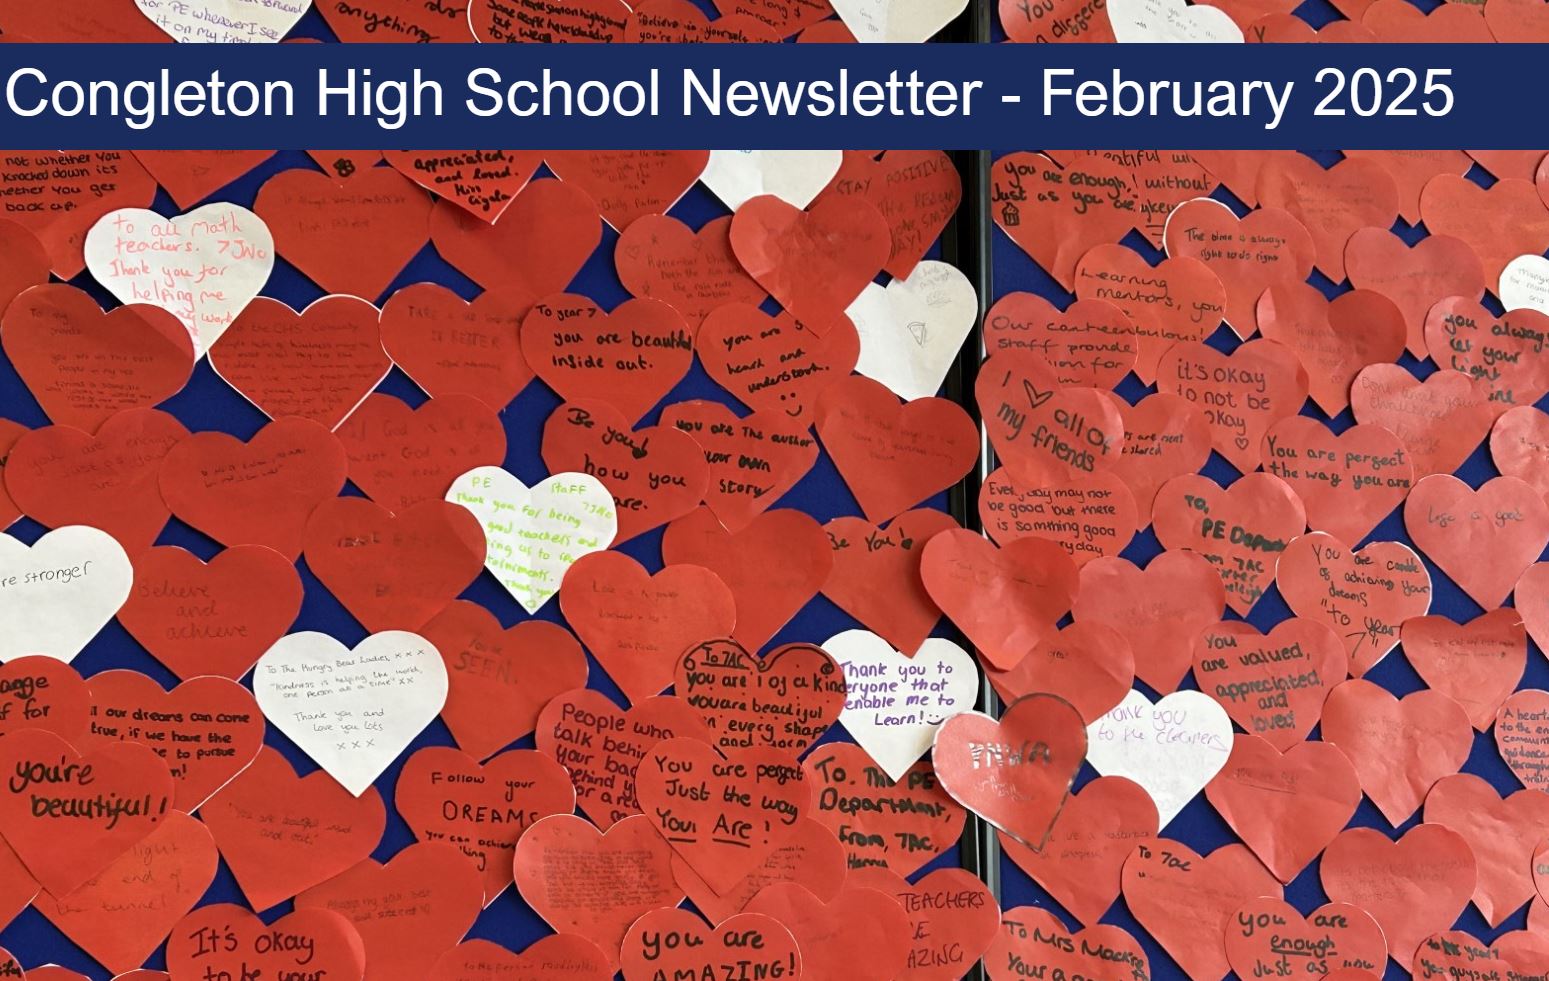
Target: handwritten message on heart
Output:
[(897, 824), (1171, 748), (785, 700), (60, 591)]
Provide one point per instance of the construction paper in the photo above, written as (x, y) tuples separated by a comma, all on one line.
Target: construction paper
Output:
[(1529, 600), (627, 184), (1395, 23), (40, 692), (60, 475), (1178, 594), (1177, 300), (785, 700), (810, 856), (1332, 204), (953, 916), (898, 824), (1090, 516), (1165, 436), (1044, 433), (449, 345), (1087, 663), (695, 273), (1172, 747), (1249, 254), (1525, 280), (1520, 739), (204, 266), (1347, 482), (1286, 806), (775, 364), (1172, 22), (1067, 23), (1163, 178), (555, 957), (1241, 530), (1454, 951), (677, 943), (190, 176), (1478, 664), (385, 21), (895, 702), (1032, 201), (916, 191), (655, 473), (876, 574), (784, 17), (1505, 353), (628, 358), (59, 591), (861, 933), (773, 567), (912, 329), (401, 456), (26, 261), (1333, 339), (546, 235), (815, 262), (481, 182), (1502, 832), (754, 460), (794, 176), (447, 797), (324, 828), (255, 492), (1090, 343), (319, 363), (601, 745), (1499, 223), (1269, 937), (226, 939), (82, 364), (1080, 864), (534, 534), (232, 21), (1244, 394), (1272, 684), (1033, 939), (1016, 772), (17, 889), (1483, 540), (1440, 420), (65, 208), (1413, 276), (1410, 170)]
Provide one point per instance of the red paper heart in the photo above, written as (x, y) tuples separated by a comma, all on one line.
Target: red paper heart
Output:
[(207, 730), (1454, 952), (1347, 482), (23, 261), (1532, 602), (680, 22), (541, 242), (1505, 354), (891, 454), (331, 830), (1089, 516), (1238, 170), (1088, 664), (1412, 887), (1044, 433), (83, 364), (1241, 530), (953, 916), (1332, 204), (190, 176), (1440, 421), (1363, 595), (601, 745), (1243, 393), (59, 211), (1090, 343), (407, 912), (1163, 179), (1413, 277), (1032, 939), (785, 700), (1096, 831), (876, 574), (814, 262), (784, 17), (1399, 23), (900, 825), (1274, 684), (401, 456), (861, 933), (211, 619), (224, 939), (628, 184), (39, 692), (18, 888), (1159, 610), (629, 358), (773, 568), (1177, 300), (753, 460), (624, 873), (556, 957), (694, 272), (811, 857), (10, 432), (1499, 223), (1186, 901), (377, 220), (122, 915), (1332, 340), (655, 473), (498, 680), (260, 492), (448, 345), (1006, 600), (1286, 806), (677, 943), (1478, 664), (916, 191), (60, 475), (1503, 164), (1014, 773), (1501, 832), (1059, 22), (481, 182), (1400, 747), (1485, 539), (106, 800), (1410, 170), (775, 364), (318, 364), (403, 21), (638, 625), (1520, 739), (1266, 934), (445, 795), (1519, 446), (394, 571), (1249, 254), (722, 812), (1056, 215), (1165, 436)]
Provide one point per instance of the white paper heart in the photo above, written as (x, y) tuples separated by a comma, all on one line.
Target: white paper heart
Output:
[(1525, 284), (793, 176), (351, 711), (912, 329), (1172, 748), (536, 533), (1171, 22), (204, 267), (893, 703), (897, 21), (57, 594), (225, 21)]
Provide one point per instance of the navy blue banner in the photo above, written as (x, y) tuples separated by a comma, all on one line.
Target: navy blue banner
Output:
[(768, 96)]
